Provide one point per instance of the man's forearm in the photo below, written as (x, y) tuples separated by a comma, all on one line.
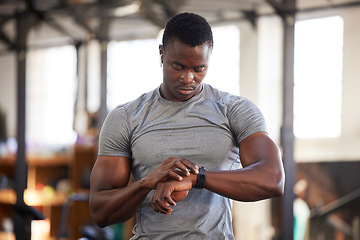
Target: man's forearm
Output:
[(117, 205), (247, 184)]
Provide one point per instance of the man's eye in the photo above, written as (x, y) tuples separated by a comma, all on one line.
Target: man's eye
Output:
[(199, 69), (176, 67)]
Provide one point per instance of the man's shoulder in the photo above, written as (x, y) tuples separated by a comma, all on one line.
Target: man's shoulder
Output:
[(220, 96)]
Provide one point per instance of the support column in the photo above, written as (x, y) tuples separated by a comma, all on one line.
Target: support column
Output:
[(21, 221), (103, 38), (287, 133), (103, 82)]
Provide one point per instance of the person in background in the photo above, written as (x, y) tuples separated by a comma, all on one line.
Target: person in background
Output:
[(190, 148), (301, 211)]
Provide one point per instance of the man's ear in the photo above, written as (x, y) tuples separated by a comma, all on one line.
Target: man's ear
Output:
[(161, 50)]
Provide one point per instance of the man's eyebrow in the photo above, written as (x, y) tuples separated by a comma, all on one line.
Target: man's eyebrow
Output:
[(183, 66), (180, 64)]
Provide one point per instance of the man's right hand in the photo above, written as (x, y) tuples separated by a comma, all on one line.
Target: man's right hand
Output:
[(171, 169)]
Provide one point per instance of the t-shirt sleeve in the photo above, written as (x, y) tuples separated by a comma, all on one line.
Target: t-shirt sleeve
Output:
[(245, 119), (114, 138)]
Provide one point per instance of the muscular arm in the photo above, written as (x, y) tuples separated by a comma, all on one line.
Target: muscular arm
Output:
[(112, 200), (261, 177), (109, 193)]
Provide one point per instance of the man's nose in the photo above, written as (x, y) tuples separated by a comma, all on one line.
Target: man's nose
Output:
[(187, 77)]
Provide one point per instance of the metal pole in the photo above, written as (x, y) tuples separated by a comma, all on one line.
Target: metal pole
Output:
[(103, 38), (103, 84), (20, 221), (287, 133)]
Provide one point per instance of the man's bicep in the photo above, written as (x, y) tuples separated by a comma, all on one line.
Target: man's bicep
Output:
[(110, 172), (258, 147)]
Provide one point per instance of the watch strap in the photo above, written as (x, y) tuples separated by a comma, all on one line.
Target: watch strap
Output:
[(200, 182)]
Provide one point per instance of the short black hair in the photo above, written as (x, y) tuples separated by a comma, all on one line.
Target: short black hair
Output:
[(190, 28)]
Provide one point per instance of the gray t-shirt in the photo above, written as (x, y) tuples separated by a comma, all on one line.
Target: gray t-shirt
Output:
[(206, 130)]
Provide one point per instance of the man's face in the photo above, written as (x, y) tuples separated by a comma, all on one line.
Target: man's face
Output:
[(184, 68)]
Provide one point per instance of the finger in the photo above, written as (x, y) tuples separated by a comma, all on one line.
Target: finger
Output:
[(161, 206), (190, 166), (180, 168), (176, 168), (170, 173), (173, 174), (157, 202), (169, 200), (170, 169), (164, 195), (181, 165)]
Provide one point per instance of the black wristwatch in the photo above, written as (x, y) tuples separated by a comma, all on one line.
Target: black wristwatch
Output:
[(200, 178)]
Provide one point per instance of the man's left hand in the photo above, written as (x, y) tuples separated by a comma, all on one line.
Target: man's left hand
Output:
[(170, 192)]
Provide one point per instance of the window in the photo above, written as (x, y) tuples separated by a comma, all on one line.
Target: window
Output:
[(224, 66), (318, 77), (50, 96), (134, 66), (133, 69)]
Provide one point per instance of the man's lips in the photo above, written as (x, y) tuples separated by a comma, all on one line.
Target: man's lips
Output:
[(185, 90)]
